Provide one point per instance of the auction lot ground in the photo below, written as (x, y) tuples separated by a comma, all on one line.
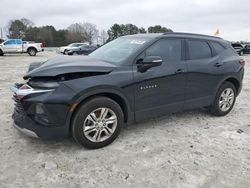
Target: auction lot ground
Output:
[(187, 149)]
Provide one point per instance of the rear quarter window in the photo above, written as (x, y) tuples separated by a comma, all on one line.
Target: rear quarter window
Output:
[(199, 49), (218, 48)]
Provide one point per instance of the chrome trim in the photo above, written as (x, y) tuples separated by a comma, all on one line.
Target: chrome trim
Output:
[(157, 61), (26, 131), (24, 92)]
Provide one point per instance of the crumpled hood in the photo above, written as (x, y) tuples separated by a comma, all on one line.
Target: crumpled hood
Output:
[(69, 64)]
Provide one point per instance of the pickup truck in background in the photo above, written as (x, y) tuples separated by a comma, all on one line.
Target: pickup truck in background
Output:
[(19, 46)]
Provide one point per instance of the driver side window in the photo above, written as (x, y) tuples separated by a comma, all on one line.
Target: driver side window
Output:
[(10, 42), (167, 49)]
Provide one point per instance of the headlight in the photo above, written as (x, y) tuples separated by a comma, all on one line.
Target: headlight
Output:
[(44, 84)]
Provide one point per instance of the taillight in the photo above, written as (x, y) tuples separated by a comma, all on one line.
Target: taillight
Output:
[(242, 62), (42, 45)]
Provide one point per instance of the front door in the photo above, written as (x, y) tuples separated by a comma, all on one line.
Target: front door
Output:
[(10, 46), (161, 89)]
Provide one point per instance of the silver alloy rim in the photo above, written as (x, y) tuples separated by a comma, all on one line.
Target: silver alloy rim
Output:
[(100, 124), (226, 99), (32, 52)]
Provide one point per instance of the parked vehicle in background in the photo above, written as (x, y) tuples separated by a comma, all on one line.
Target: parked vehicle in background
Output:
[(127, 80), (19, 46), (246, 49), (65, 49), (238, 48), (82, 50)]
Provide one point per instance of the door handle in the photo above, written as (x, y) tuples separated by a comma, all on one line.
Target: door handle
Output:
[(179, 71), (218, 64)]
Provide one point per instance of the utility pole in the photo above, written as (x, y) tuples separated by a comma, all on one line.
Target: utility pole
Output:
[(1, 33)]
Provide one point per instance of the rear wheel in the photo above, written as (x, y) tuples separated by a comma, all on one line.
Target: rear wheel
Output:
[(32, 51), (224, 100), (97, 122)]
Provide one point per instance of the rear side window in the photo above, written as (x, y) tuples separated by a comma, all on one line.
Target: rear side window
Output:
[(218, 48), (18, 41), (167, 49), (199, 50)]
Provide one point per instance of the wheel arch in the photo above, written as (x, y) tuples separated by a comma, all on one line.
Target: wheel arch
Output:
[(31, 47), (232, 79), (115, 95), (235, 82)]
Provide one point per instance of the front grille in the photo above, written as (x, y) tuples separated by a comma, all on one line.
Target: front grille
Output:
[(19, 113)]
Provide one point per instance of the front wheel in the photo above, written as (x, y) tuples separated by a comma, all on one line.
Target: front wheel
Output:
[(224, 100), (32, 52), (1, 53), (97, 122)]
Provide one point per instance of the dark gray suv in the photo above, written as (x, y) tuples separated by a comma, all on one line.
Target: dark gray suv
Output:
[(127, 80)]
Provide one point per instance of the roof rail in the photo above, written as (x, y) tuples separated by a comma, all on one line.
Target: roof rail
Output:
[(190, 34)]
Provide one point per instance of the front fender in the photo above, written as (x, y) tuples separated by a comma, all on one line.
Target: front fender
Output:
[(100, 90)]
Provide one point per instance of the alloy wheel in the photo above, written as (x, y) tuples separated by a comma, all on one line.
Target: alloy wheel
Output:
[(226, 99), (100, 124)]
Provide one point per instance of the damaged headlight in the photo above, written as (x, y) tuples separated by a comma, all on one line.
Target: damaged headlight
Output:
[(44, 84)]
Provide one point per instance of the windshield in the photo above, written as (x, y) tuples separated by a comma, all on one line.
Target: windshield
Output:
[(74, 45), (118, 50)]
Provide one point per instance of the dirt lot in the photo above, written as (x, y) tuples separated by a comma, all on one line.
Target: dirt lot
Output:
[(188, 149)]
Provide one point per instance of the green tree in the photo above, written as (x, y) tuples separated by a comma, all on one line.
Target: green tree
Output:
[(118, 30), (158, 29)]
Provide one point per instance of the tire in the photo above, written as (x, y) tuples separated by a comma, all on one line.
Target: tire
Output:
[(97, 133), (1, 53), (32, 51), (224, 100)]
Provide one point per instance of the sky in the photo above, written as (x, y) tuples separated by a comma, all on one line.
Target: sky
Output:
[(231, 17)]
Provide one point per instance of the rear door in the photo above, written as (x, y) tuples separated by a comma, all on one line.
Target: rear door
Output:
[(161, 89), (19, 45), (205, 71)]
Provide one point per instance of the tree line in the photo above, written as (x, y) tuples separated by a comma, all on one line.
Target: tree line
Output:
[(77, 32)]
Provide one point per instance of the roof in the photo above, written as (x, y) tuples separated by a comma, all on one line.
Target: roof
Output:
[(174, 34), (191, 35)]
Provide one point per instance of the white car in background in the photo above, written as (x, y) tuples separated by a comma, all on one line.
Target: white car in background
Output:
[(19, 46), (65, 49)]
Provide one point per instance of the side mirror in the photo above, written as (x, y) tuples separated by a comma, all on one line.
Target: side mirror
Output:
[(148, 62)]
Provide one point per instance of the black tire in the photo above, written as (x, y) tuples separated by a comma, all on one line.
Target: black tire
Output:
[(32, 51), (80, 117), (1, 53), (215, 108)]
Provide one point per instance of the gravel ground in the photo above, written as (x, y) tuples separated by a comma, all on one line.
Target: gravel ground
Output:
[(188, 149)]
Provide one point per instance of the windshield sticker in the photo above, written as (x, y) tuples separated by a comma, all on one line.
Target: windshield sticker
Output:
[(137, 42)]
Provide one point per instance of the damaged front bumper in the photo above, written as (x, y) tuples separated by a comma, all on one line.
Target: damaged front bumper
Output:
[(26, 117)]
